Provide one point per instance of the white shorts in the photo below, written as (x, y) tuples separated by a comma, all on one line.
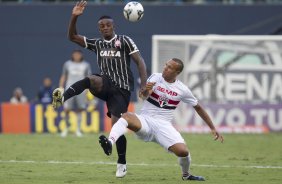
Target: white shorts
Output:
[(159, 131), (77, 102)]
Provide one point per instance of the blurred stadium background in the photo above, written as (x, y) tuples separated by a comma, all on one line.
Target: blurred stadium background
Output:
[(232, 51)]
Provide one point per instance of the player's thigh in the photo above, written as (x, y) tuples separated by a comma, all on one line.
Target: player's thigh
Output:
[(117, 102), (133, 121), (145, 133), (166, 135)]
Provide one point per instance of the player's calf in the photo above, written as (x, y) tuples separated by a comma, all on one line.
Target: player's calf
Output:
[(184, 160)]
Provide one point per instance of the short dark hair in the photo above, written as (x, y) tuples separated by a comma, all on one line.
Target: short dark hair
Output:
[(180, 63), (105, 17), (77, 50)]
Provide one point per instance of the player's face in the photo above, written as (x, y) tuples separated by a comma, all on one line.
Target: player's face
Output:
[(106, 28), (47, 82), (170, 71), (77, 56)]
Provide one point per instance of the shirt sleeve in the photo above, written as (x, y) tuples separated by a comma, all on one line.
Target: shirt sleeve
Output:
[(90, 44), (189, 98), (130, 46)]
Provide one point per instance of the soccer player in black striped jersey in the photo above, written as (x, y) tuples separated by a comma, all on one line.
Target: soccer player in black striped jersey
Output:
[(115, 80)]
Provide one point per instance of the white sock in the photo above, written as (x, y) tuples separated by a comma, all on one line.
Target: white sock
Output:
[(118, 130), (184, 163), (79, 118)]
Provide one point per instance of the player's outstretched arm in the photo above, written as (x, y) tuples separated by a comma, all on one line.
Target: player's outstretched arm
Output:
[(72, 32), (141, 68), (204, 115)]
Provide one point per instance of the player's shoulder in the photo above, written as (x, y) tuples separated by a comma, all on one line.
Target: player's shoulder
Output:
[(155, 75), (68, 62), (94, 38), (125, 37), (84, 62), (182, 86)]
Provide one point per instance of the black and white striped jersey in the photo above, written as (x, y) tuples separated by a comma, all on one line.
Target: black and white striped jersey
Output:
[(113, 57)]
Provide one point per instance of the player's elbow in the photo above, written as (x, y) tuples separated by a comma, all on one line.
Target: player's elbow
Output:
[(71, 37), (198, 107)]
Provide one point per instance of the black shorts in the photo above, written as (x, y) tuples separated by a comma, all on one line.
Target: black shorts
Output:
[(117, 99)]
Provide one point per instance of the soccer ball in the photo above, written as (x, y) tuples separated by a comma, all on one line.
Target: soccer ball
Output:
[(133, 11)]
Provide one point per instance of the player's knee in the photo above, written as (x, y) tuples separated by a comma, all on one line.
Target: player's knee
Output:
[(182, 153), (95, 82), (126, 116), (93, 79)]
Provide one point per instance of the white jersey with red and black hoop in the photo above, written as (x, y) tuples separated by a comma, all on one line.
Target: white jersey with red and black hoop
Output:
[(165, 98)]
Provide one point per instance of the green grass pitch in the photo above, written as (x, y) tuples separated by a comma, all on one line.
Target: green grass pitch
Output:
[(51, 159)]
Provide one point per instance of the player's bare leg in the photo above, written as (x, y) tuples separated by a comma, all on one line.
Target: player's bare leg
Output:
[(93, 82), (184, 159)]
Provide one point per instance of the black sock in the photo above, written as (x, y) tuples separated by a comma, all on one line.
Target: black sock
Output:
[(121, 149), (77, 88)]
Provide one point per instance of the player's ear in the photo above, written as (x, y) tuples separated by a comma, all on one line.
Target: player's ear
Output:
[(99, 29)]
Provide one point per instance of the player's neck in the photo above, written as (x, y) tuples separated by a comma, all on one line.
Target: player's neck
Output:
[(170, 80), (110, 37)]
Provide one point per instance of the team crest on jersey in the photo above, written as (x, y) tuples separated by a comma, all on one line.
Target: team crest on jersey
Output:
[(163, 100), (117, 43)]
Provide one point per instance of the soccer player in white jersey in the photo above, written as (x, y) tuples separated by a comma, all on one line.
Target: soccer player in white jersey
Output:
[(74, 70), (163, 93)]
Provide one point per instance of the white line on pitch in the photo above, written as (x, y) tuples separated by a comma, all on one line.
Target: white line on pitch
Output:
[(137, 164)]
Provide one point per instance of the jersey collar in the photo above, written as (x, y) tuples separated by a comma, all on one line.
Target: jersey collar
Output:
[(108, 41)]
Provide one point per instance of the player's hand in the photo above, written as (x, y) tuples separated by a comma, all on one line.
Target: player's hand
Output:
[(79, 8), (144, 91), (217, 136), (150, 85)]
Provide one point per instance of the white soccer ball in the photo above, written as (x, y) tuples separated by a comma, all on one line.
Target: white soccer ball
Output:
[(133, 11)]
